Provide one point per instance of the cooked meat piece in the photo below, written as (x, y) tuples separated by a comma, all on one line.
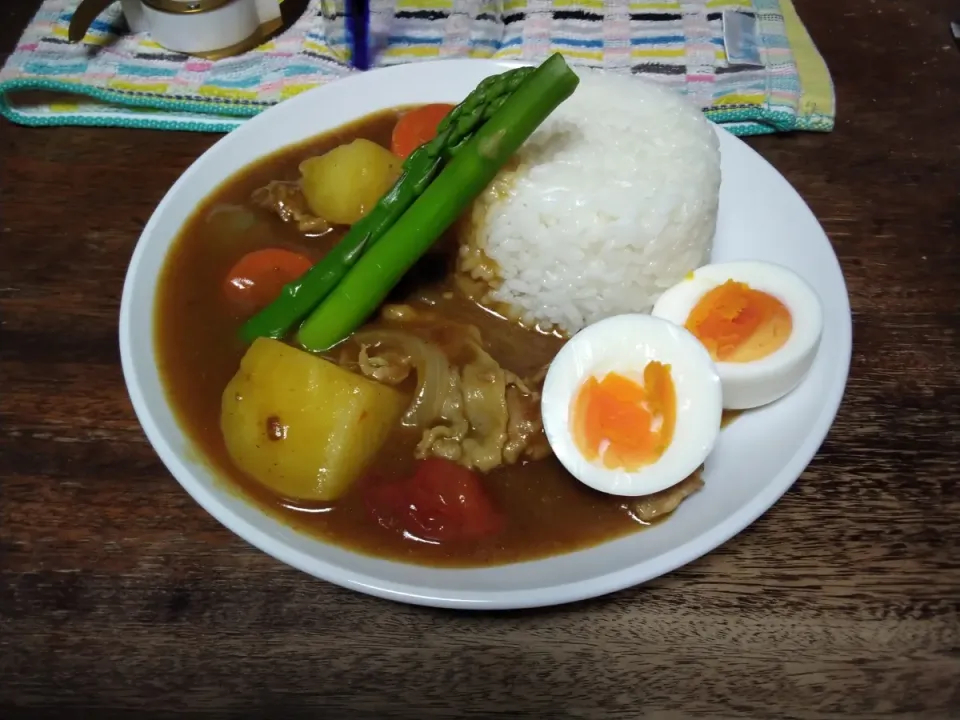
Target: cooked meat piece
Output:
[(651, 508), (539, 376), (485, 405), (444, 439), (390, 368), (472, 412), (525, 438), (287, 200), (473, 415)]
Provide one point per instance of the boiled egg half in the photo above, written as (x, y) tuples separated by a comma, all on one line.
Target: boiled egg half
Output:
[(761, 324), (631, 405)]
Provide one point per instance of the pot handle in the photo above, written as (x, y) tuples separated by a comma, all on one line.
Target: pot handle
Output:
[(84, 16)]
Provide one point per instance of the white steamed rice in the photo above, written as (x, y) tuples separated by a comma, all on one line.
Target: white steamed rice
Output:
[(613, 201)]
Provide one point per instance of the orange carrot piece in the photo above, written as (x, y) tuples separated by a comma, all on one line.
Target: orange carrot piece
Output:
[(258, 277), (417, 127)]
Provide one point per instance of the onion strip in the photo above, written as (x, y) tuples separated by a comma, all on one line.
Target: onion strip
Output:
[(433, 372)]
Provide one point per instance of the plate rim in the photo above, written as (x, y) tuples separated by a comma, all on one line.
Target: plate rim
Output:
[(552, 595)]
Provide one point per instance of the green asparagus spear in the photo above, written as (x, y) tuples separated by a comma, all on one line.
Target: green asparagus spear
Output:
[(461, 122), (419, 170), (366, 285), (296, 299)]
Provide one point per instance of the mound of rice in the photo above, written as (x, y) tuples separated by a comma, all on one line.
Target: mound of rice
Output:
[(611, 201)]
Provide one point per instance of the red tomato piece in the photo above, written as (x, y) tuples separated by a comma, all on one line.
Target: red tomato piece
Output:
[(441, 502)]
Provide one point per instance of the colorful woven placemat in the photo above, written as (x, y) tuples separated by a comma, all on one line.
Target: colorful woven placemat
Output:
[(115, 78)]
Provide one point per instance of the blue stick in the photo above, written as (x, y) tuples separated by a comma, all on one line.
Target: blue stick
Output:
[(358, 25)]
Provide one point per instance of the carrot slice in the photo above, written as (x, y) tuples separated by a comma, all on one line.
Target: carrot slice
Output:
[(258, 277), (417, 127)]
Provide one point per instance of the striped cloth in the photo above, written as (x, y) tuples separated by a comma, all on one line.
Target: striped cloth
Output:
[(120, 79)]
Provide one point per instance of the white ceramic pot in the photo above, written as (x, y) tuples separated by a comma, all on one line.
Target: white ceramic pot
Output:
[(210, 28)]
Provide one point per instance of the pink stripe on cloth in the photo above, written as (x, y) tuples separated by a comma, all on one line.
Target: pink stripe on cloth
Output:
[(536, 29), (616, 37)]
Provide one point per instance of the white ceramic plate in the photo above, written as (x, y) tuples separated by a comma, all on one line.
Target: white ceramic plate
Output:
[(755, 462)]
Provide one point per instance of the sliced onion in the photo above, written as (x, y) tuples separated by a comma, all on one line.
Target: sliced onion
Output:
[(232, 218), (433, 372)]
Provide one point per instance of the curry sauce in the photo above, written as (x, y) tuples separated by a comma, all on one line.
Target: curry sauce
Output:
[(547, 511)]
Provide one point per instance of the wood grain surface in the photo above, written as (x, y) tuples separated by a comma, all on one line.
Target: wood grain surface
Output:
[(120, 596)]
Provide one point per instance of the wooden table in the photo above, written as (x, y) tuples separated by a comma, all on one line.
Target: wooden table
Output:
[(117, 592)]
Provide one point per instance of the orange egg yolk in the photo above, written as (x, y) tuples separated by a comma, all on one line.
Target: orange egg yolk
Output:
[(622, 424), (739, 324)]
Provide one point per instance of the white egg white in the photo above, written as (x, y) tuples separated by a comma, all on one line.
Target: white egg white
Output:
[(752, 384), (625, 344)]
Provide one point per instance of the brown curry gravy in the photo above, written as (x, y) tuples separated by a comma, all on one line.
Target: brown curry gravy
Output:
[(547, 511)]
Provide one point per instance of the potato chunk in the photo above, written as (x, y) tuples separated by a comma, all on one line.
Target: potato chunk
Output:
[(341, 186), (303, 426)]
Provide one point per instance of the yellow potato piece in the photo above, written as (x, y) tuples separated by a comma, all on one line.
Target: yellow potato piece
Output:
[(343, 184), (301, 425)]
